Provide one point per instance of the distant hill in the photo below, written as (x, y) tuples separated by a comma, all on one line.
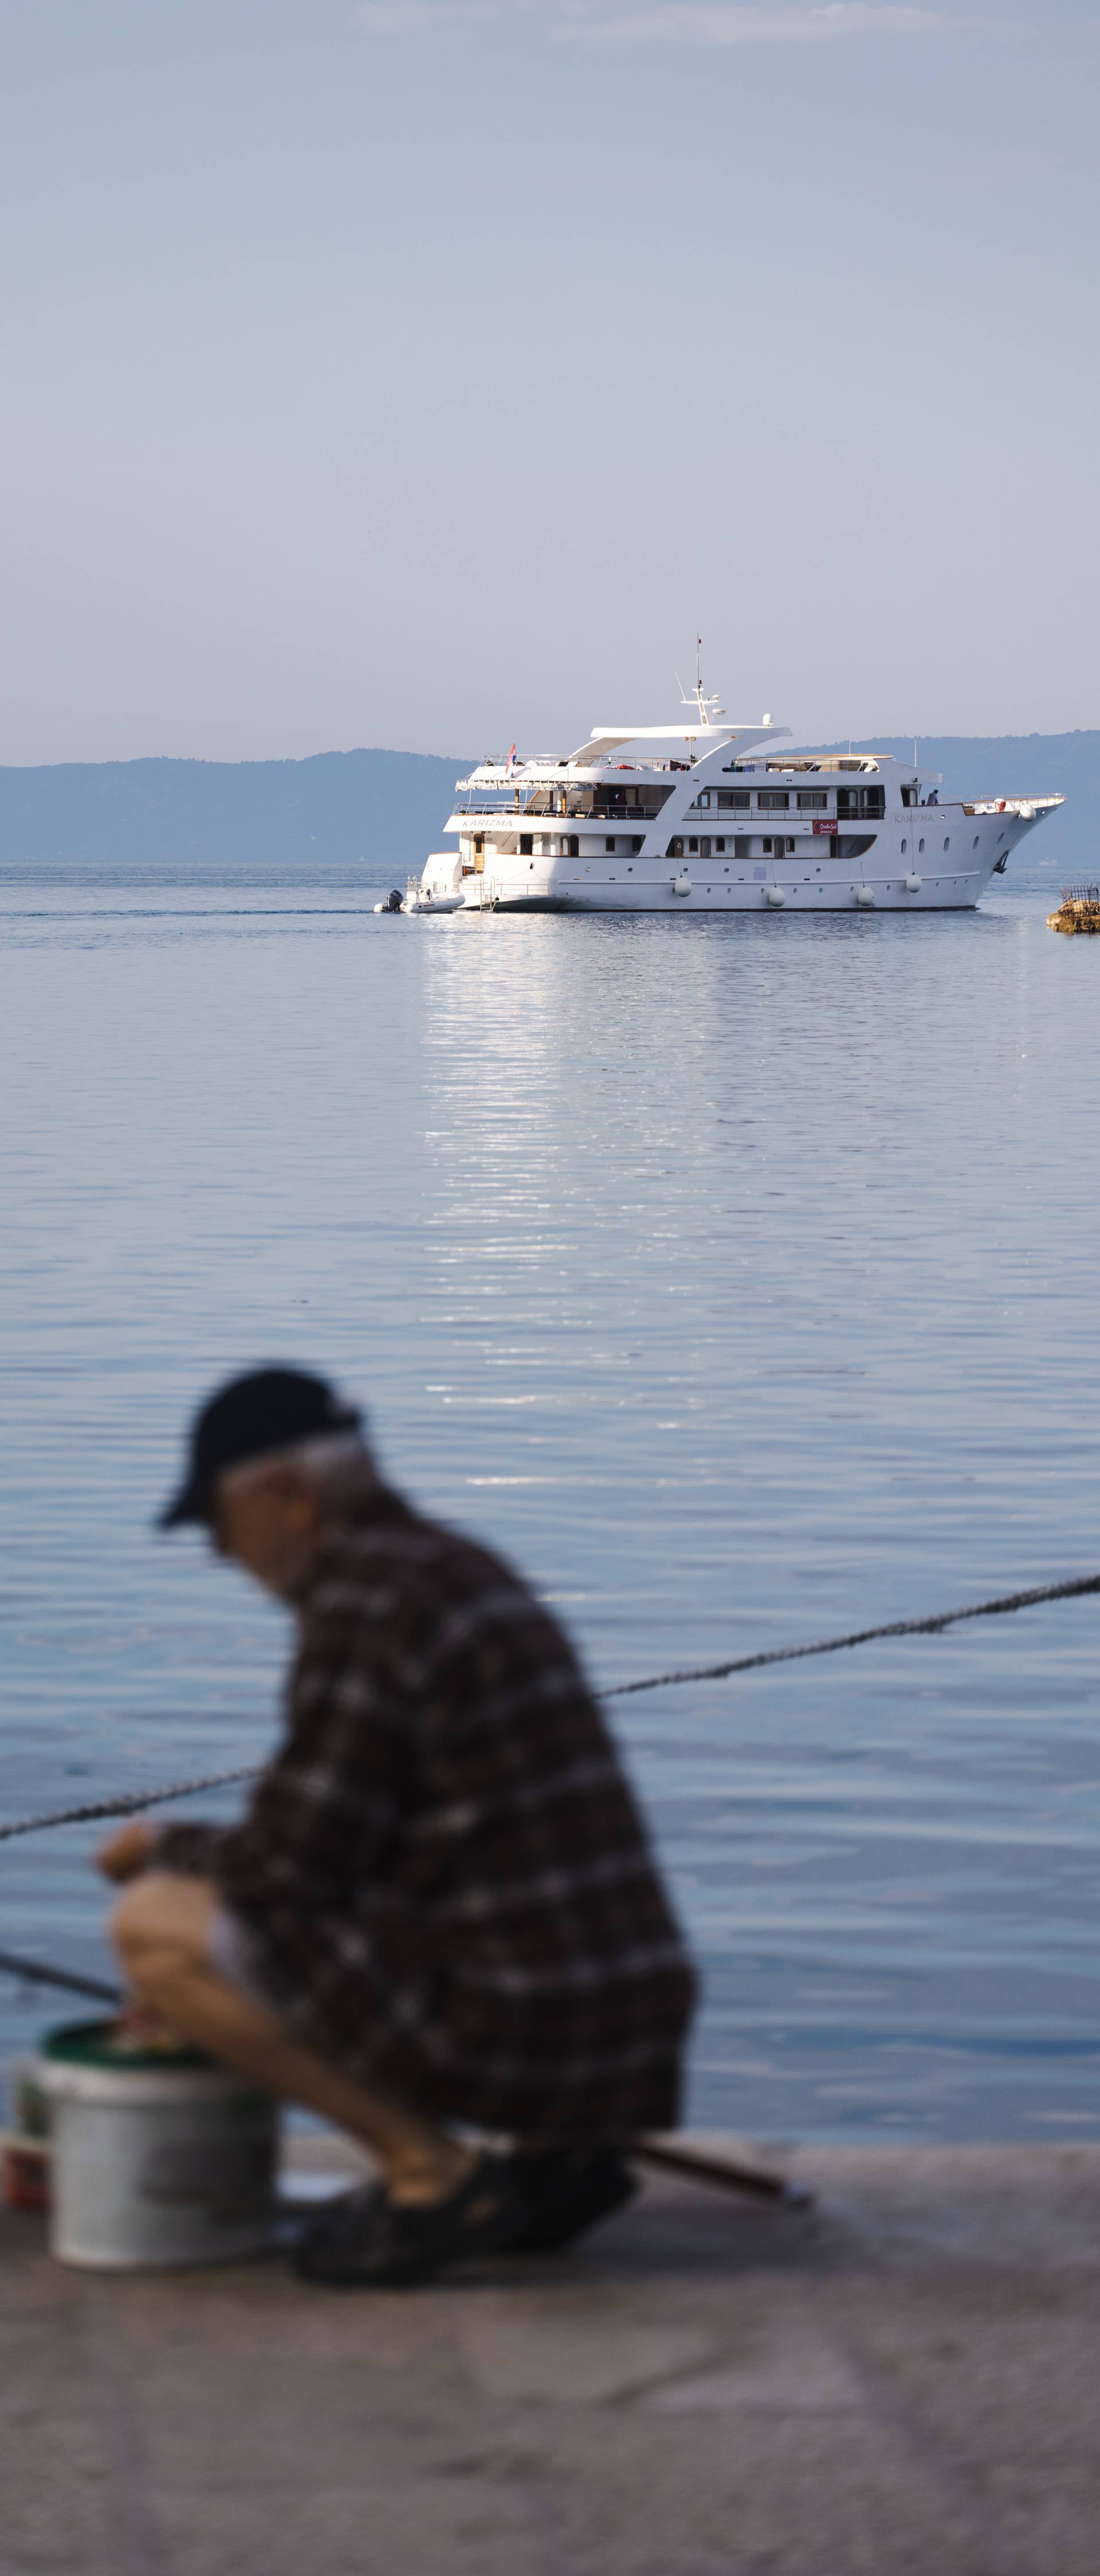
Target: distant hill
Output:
[(385, 810), (1007, 764)]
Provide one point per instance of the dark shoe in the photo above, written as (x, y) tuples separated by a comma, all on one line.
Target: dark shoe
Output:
[(568, 2190), (364, 2240)]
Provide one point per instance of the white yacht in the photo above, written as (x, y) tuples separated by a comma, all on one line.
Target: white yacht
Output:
[(707, 816)]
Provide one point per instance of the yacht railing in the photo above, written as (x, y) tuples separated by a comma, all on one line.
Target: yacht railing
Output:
[(549, 773), (541, 815)]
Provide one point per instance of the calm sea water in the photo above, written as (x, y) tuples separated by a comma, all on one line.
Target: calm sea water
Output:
[(739, 1278)]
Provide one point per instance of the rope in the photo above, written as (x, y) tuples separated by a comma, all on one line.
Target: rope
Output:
[(933, 1626)]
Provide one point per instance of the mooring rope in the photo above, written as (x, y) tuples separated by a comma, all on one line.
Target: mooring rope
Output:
[(132, 1804)]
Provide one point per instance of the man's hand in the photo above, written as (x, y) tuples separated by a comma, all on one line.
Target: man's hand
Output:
[(129, 1851)]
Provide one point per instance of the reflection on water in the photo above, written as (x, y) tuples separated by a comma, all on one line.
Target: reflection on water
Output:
[(736, 1276)]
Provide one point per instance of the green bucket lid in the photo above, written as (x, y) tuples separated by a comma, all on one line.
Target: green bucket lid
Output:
[(95, 2043)]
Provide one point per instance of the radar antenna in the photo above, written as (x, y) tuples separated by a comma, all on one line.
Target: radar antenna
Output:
[(708, 707)]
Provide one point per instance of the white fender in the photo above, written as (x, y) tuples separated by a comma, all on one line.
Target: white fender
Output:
[(776, 896), (681, 884), (913, 885), (864, 894)]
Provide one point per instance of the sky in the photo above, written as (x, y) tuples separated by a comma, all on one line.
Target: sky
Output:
[(428, 373)]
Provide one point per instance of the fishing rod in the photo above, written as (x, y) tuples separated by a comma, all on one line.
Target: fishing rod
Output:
[(34, 1972), (934, 1624)]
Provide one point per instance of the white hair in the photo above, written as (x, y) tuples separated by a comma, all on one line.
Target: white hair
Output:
[(329, 1449), (327, 1457)]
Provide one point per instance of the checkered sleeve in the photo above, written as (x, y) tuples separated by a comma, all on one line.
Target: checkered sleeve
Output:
[(324, 1817)]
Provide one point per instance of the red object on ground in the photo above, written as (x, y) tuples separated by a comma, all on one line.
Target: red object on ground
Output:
[(25, 2173)]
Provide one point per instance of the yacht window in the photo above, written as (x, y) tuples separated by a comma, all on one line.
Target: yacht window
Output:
[(693, 845), (861, 800), (704, 849), (904, 848), (636, 842), (733, 800), (574, 846), (675, 850), (526, 845), (812, 800), (703, 800), (775, 799), (719, 845), (947, 843), (609, 844), (767, 846), (975, 841), (920, 845)]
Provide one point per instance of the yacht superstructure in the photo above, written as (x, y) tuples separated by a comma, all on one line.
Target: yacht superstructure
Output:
[(704, 815)]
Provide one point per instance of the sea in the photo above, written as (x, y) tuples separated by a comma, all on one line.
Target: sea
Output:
[(736, 1278)]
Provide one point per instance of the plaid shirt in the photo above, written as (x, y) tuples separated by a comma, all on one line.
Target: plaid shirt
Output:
[(443, 1881)]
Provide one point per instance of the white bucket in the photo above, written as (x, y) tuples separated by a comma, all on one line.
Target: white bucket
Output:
[(156, 2163)]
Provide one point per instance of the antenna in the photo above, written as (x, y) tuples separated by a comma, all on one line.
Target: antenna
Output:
[(708, 708)]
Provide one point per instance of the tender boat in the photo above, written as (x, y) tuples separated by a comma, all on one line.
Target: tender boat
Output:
[(427, 898), (707, 816)]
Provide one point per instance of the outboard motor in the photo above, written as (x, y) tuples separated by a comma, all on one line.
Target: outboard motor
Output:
[(394, 902)]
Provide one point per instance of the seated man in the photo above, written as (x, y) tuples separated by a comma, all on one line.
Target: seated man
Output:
[(441, 1907)]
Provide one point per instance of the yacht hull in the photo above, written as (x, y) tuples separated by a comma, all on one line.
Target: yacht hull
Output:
[(806, 886), (795, 899)]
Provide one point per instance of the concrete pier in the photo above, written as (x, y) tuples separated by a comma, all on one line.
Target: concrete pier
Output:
[(905, 2382)]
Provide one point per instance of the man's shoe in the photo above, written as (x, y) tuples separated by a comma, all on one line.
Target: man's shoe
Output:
[(568, 2190), (364, 2240)]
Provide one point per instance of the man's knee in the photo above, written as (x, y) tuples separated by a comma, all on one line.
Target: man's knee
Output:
[(161, 1928)]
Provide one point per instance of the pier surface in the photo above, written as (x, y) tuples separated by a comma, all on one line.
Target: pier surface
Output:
[(905, 2380)]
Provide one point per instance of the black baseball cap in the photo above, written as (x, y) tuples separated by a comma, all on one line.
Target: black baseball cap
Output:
[(270, 1408)]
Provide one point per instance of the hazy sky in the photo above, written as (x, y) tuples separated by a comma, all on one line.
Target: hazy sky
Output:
[(425, 375)]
